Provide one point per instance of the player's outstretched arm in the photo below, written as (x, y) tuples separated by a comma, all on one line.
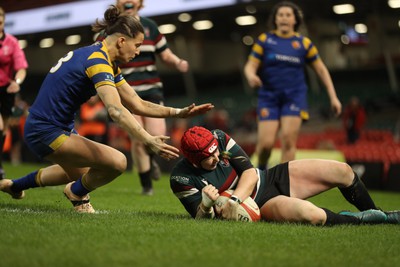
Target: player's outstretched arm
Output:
[(121, 115), (138, 106), (191, 111)]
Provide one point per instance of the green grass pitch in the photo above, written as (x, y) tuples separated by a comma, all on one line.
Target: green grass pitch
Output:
[(134, 230)]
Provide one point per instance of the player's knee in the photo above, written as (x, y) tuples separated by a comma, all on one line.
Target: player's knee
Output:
[(346, 173), (265, 147), (120, 163)]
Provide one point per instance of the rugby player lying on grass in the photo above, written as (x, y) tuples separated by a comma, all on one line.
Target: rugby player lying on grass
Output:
[(213, 162)]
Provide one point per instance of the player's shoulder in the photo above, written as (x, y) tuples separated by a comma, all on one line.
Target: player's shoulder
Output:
[(263, 36), (95, 51), (219, 134), (302, 37)]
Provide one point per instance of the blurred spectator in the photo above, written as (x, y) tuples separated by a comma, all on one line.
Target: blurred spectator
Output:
[(14, 137), (354, 118), (13, 67), (248, 122), (93, 120), (217, 119), (176, 132)]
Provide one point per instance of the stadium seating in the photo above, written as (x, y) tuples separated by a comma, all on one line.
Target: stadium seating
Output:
[(376, 150)]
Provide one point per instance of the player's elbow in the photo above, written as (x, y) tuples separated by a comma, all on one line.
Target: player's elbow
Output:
[(115, 113)]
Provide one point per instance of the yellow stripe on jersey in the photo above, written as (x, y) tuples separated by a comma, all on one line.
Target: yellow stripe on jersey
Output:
[(120, 83), (105, 50), (97, 55), (262, 37), (58, 142), (313, 51), (258, 49), (99, 68), (118, 72), (253, 58), (304, 115), (306, 43), (97, 85)]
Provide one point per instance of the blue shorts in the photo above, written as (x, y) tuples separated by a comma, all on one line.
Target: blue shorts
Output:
[(43, 137), (272, 105)]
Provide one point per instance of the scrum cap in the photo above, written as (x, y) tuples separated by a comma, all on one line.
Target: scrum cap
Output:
[(198, 143)]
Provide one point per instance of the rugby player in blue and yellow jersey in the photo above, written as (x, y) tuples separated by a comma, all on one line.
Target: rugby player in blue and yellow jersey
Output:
[(141, 73), (82, 164), (276, 67)]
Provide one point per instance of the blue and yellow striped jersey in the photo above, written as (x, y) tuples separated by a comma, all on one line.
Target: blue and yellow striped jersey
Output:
[(72, 81), (283, 60)]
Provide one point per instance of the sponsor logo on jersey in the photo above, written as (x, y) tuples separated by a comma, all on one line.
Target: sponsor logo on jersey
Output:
[(109, 77), (293, 107), (271, 41), (180, 179), (287, 58), (264, 113), (296, 45)]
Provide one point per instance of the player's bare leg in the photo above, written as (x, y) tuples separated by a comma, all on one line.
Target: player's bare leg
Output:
[(290, 128), (266, 138)]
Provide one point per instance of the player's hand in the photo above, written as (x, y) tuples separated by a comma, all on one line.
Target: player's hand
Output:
[(209, 195), (230, 211), (13, 88), (254, 81), (193, 110), (157, 145), (336, 107)]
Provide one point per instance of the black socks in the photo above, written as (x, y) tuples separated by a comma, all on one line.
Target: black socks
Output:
[(336, 219), (358, 195)]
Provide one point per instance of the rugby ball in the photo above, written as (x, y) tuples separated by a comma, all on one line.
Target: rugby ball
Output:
[(248, 210)]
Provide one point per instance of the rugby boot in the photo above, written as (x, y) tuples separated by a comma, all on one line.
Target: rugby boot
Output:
[(81, 203), (393, 217), (5, 186), (368, 216)]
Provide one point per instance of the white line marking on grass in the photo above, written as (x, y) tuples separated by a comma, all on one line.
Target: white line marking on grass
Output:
[(41, 211), (22, 211)]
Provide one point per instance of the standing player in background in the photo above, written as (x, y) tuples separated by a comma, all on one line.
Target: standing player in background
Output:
[(13, 67), (141, 73), (276, 66), (354, 119)]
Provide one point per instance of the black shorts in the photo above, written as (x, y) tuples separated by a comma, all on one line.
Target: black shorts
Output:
[(276, 183), (7, 101)]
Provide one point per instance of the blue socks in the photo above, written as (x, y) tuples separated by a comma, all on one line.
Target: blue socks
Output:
[(78, 188), (29, 181), (25, 182)]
